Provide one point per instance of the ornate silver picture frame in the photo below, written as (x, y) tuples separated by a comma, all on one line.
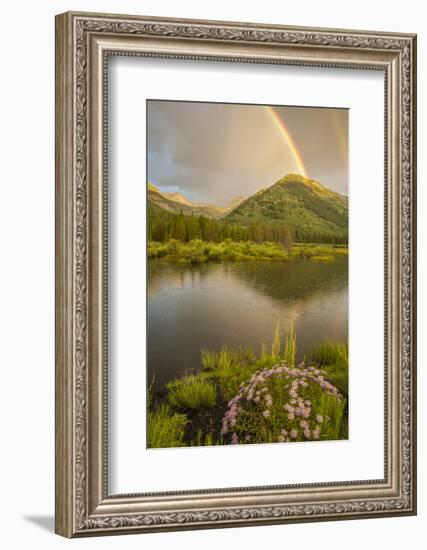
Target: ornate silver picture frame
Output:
[(84, 42)]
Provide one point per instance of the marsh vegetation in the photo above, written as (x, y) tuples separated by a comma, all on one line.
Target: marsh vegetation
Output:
[(198, 251), (243, 397)]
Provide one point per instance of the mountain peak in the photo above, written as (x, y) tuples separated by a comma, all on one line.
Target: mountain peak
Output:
[(303, 180), (305, 205)]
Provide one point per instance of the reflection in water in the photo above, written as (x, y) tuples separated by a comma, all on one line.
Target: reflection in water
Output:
[(239, 303)]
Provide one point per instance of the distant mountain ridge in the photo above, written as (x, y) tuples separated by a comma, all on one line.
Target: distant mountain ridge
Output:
[(305, 205), (175, 202)]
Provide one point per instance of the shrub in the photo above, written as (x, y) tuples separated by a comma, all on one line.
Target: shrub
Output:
[(197, 251), (165, 429), (285, 404), (191, 392)]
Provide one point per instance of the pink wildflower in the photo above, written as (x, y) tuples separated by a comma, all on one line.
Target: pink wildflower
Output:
[(306, 412), (294, 433), (316, 432)]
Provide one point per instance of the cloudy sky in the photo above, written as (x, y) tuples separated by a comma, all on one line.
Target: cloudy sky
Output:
[(214, 152)]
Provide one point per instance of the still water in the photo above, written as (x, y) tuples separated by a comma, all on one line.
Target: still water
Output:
[(239, 304)]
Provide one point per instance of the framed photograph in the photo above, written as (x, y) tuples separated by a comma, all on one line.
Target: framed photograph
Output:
[(235, 274)]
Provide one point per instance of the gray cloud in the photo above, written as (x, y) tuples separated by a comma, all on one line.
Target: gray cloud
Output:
[(214, 152)]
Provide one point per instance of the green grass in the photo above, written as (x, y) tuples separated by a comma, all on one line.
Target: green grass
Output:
[(230, 380), (165, 428), (208, 359), (290, 352), (335, 426), (333, 358), (276, 344), (208, 439), (191, 392), (229, 368)]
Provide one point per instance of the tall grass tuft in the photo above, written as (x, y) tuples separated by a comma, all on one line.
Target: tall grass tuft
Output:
[(206, 440), (165, 428), (333, 358), (263, 353), (250, 355), (276, 346), (290, 352), (226, 358), (328, 353), (208, 359), (191, 392)]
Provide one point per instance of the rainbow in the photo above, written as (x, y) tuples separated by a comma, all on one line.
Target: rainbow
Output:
[(341, 136), (280, 125)]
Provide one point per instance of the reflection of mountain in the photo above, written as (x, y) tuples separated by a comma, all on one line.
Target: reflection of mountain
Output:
[(238, 304), (306, 206), (176, 202), (296, 279), (283, 281)]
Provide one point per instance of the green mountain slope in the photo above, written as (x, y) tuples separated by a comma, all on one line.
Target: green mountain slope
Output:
[(311, 211)]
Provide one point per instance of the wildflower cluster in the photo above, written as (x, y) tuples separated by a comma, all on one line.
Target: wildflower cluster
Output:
[(283, 404)]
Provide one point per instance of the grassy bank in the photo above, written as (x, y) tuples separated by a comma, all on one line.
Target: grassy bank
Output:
[(198, 251), (240, 396)]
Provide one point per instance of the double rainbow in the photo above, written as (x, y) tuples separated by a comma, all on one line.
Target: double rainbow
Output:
[(280, 125)]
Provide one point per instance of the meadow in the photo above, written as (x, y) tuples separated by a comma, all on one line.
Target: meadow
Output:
[(243, 397), (198, 251)]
